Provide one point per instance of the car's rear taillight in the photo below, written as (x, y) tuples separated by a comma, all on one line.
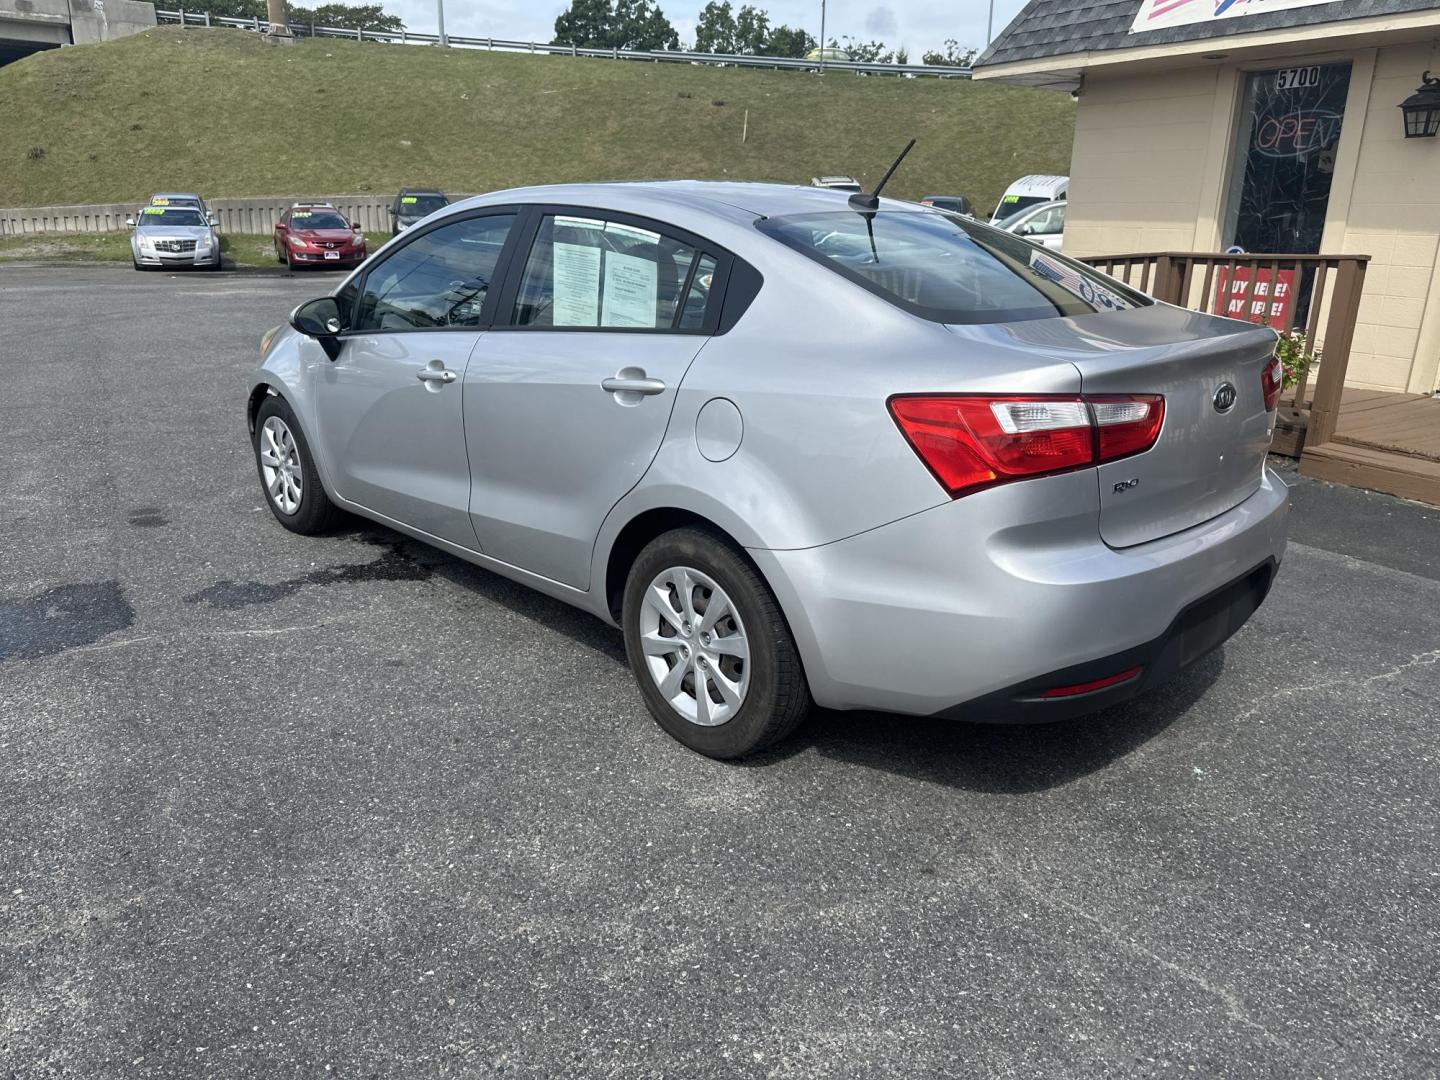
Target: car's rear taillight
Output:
[(971, 442), (1272, 378), (1127, 424)]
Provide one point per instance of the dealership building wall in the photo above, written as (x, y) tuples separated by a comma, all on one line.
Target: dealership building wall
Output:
[(1157, 135), (1152, 157)]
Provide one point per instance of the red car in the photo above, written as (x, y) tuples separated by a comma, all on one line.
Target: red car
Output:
[(315, 233)]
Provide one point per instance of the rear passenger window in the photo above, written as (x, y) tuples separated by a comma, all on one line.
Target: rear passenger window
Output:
[(437, 280), (585, 272)]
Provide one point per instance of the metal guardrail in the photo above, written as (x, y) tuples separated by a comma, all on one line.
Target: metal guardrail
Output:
[(183, 17)]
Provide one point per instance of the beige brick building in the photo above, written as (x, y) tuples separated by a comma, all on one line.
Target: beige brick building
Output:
[(1273, 127)]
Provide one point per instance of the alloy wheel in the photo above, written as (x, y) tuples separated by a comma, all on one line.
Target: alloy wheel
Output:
[(280, 466), (695, 646)]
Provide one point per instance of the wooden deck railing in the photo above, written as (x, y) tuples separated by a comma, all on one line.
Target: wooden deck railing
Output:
[(1319, 294)]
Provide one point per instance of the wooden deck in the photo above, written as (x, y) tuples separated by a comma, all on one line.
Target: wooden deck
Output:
[(1386, 442)]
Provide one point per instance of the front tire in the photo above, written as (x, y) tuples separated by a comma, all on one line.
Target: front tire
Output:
[(708, 644), (287, 471)]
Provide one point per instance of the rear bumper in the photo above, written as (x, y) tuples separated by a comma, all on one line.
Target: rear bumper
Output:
[(1197, 631), (959, 610)]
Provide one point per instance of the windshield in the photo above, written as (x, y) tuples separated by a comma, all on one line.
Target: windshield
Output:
[(948, 268), (153, 217), (317, 219), (420, 205), (1010, 205)]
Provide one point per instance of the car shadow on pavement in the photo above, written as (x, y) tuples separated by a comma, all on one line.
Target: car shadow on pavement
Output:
[(1010, 759), (581, 627), (996, 758)]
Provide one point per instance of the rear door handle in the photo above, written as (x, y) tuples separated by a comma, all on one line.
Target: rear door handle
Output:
[(434, 372), (636, 385)]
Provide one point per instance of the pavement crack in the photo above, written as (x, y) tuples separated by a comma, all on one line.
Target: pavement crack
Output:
[(1425, 659), (1228, 998)]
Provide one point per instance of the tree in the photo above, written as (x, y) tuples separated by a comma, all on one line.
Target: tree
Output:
[(953, 56), (350, 16), (615, 24), (866, 52), (752, 30), (715, 28), (788, 41), (586, 23)]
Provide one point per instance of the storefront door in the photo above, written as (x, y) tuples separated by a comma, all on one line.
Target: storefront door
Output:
[(1285, 158)]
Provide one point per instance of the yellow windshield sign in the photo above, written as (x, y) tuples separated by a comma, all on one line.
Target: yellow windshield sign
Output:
[(153, 210), (159, 200), (408, 199)]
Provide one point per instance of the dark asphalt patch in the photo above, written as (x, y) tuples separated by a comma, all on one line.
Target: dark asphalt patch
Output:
[(148, 517), (394, 565), (62, 618)]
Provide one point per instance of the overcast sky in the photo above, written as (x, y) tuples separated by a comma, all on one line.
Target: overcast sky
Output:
[(916, 24)]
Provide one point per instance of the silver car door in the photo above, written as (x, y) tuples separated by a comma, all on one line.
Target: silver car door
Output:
[(389, 408), (566, 407)]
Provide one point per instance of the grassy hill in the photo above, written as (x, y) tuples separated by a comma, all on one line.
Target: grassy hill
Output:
[(222, 113)]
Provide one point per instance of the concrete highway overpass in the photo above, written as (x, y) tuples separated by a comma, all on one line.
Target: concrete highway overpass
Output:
[(27, 26)]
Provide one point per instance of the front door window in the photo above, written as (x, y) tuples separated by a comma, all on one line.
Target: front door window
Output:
[(1285, 161)]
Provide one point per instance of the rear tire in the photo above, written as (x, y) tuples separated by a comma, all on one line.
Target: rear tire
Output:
[(287, 471), (749, 703)]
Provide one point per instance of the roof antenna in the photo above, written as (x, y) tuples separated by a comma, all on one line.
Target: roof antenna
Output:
[(871, 202)]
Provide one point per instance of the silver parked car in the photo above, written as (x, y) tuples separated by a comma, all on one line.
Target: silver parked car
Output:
[(178, 236), (799, 452)]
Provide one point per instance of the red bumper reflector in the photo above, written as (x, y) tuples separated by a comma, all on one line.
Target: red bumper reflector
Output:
[(1093, 685)]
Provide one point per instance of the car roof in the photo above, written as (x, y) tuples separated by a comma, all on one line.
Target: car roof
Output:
[(730, 199), (1038, 182), (421, 191), (176, 195)]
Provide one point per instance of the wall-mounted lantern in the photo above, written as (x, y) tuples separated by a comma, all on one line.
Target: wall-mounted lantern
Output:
[(1422, 109)]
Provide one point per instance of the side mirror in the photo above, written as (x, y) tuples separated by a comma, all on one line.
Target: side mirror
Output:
[(130, 221), (212, 219), (355, 225), (320, 319)]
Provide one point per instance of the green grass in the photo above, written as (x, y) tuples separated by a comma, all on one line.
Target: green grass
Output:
[(222, 113), (115, 247)]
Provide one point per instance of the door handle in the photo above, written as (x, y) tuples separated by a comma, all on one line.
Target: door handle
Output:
[(435, 375), (617, 384)]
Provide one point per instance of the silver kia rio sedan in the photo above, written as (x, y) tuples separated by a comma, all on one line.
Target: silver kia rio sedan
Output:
[(800, 452)]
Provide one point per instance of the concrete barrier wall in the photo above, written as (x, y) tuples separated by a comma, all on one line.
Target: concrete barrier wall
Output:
[(240, 216)]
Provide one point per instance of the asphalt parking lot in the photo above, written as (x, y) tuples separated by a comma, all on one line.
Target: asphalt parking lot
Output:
[(284, 807)]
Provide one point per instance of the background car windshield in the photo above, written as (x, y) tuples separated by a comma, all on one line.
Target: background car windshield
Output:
[(168, 216), (950, 269), (1011, 205), (317, 219), (420, 205)]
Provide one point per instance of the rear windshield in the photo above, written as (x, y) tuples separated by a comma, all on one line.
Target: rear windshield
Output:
[(950, 269), (1010, 205), (421, 205), (157, 216)]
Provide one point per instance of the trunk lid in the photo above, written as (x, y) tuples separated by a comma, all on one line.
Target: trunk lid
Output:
[(1207, 458)]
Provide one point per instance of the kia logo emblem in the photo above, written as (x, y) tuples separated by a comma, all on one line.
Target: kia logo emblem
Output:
[(1224, 397)]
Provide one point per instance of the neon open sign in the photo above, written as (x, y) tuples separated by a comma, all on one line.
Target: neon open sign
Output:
[(1299, 132)]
